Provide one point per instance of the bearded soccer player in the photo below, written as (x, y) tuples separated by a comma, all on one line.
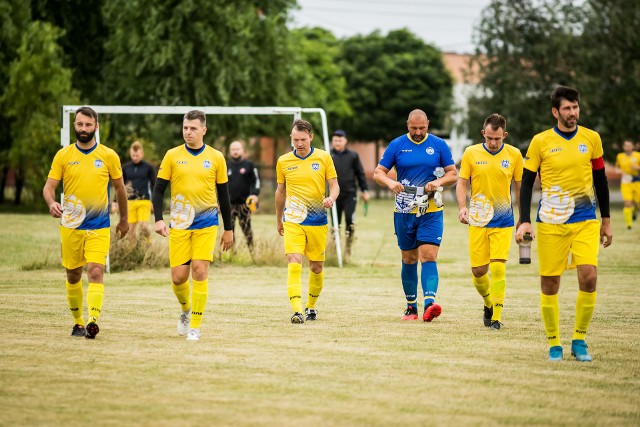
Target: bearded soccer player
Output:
[(85, 168), (569, 160), (489, 169), (301, 215), (198, 177), (423, 165), (629, 164)]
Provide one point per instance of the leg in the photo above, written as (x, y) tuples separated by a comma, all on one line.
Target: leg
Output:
[(551, 314), (429, 279), (245, 224), (294, 244), (349, 211), (499, 246), (628, 196), (74, 298), (72, 244), (96, 248), (479, 255), (203, 242), (315, 250)]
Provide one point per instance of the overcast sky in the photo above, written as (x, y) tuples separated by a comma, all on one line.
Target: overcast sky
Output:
[(448, 24)]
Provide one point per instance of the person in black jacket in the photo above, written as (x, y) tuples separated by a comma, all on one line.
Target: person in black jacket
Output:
[(244, 189), (349, 170)]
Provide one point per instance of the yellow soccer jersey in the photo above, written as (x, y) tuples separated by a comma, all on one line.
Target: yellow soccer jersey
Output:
[(566, 174), (491, 175), (193, 175), (85, 176), (305, 180), (624, 163)]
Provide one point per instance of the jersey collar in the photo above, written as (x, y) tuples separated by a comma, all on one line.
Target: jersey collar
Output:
[(493, 154), (568, 138), (302, 158), (416, 142), (86, 151), (195, 152)]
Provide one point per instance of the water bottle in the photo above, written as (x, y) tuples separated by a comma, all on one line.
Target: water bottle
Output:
[(525, 249)]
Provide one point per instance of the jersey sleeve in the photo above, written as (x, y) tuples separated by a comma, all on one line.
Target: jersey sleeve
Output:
[(518, 169), (165, 168), (115, 168), (221, 169), (330, 169), (465, 165), (597, 148), (446, 158), (388, 159), (57, 167), (618, 160), (533, 158), (279, 173)]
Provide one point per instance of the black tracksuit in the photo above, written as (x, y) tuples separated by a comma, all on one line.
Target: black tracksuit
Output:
[(139, 177), (349, 170), (244, 181)]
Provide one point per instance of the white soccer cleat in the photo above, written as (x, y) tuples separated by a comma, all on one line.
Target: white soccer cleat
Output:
[(183, 323), (194, 334)]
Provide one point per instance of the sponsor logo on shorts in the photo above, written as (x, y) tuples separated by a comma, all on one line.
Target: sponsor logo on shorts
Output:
[(315, 166), (505, 163), (430, 150), (97, 163), (206, 164), (582, 148)]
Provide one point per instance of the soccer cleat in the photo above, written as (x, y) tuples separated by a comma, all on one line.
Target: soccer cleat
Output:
[(194, 334), (310, 313), (92, 330), (495, 325), (555, 353), (411, 313), (488, 313), (579, 351), (297, 318), (183, 323), (431, 311), (78, 331)]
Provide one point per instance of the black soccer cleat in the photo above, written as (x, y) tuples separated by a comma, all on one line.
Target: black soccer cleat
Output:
[(310, 313), (297, 318), (495, 325), (488, 313), (92, 330), (78, 331)]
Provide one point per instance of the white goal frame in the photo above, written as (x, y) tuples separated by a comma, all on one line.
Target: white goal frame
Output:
[(296, 112)]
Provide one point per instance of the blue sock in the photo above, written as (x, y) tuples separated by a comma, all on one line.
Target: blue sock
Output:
[(409, 275), (429, 279)]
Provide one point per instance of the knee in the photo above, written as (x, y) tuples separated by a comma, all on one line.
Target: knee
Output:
[(74, 276), (179, 277), (316, 267), (95, 272), (479, 271), (409, 258), (199, 272)]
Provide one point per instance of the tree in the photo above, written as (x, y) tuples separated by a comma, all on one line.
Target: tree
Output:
[(388, 76), (38, 86)]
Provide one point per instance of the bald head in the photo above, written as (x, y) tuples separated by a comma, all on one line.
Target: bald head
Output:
[(418, 125), (236, 150), (417, 114)]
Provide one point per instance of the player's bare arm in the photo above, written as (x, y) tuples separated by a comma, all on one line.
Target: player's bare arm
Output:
[(334, 191), (49, 193), (121, 197), (461, 195), (281, 196), (380, 176), (450, 177)]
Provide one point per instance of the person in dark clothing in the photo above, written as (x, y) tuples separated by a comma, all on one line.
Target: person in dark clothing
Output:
[(350, 177), (139, 179), (244, 189)]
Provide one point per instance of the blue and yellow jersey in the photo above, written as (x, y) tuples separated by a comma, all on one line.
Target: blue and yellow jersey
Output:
[(193, 175), (491, 175), (305, 180), (85, 176), (625, 163), (564, 164), (416, 163)]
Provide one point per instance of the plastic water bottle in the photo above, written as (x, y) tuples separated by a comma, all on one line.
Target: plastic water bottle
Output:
[(525, 249)]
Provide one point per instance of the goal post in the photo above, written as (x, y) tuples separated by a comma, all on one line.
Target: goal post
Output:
[(296, 112)]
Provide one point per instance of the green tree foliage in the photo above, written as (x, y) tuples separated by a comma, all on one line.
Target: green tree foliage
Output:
[(388, 76), (38, 85)]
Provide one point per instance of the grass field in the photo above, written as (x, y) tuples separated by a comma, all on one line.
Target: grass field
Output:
[(357, 365)]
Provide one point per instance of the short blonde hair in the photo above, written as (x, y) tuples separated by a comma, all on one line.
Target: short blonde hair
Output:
[(136, 146)]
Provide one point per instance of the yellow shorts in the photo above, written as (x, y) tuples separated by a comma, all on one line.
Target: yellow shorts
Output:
[(487, 243), (82, 246), (309, 240), (186, 245), (139, 211), (556, 241)]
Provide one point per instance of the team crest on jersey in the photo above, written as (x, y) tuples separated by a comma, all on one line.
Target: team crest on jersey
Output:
[(315, 166), (206, 164), (505, 163), (97, 163), (430, 150), (582, 148)]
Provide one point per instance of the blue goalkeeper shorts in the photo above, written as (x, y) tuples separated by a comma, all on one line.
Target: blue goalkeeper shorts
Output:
[(413, 232)]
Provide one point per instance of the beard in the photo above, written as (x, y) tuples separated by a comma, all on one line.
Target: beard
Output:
[(566, 124), (85, 137)]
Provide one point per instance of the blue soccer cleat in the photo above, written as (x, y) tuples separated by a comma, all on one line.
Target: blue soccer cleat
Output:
[(579, 351), (555, 353)]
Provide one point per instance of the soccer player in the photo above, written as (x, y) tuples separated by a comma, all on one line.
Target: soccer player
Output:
[(244, 189), (139, 180), (569, 160), (629, 164), (301, 215), (423, 164), (85, 168), (198, 177), (489, 168), (350, 172)]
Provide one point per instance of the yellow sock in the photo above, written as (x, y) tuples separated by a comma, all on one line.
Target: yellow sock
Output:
[(628, 216), (294, 286), (482, 286), (74, 297), (316, 282), (95, 296), (498, 287), (200, 294), (551, 318), (585, 303), (183, 293)]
